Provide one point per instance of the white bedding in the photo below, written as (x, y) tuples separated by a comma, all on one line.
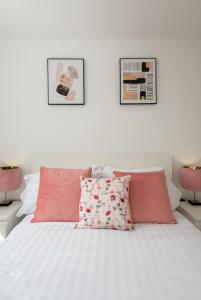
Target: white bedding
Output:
[(54, 261)]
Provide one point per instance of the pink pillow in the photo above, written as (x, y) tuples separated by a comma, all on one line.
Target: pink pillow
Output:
[(59, 195), (149, 200), (104, 203)]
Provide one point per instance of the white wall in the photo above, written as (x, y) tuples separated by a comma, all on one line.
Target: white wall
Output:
[(28, 125)]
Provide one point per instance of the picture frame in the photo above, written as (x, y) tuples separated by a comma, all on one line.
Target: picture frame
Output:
[(65, 81), (138, 81)]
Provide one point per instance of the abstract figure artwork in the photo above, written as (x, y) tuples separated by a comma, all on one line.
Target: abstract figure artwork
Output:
[(65, 81)]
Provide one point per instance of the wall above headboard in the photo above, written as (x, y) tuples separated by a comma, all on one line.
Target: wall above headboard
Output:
[(28, 125)]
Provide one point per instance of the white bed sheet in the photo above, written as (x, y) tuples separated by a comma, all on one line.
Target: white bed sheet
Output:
[(54, 261)]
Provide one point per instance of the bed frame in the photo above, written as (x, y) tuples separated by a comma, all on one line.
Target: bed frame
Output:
[(118, 160)]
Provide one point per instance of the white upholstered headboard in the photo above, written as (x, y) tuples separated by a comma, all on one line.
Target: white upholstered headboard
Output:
[(120, 160)]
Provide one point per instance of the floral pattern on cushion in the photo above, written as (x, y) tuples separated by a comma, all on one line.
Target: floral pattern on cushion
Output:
[(104, 203)]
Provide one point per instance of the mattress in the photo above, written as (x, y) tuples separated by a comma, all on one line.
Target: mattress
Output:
[(54, 261)]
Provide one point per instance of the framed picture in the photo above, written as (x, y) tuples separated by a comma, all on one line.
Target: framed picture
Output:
[(138, 81), (65, 81)]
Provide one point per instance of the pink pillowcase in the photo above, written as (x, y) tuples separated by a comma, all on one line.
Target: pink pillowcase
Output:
[(149, 200), (59, 194)]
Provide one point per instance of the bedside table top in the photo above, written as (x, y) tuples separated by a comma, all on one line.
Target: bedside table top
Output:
[(7, 211), (193, 210)]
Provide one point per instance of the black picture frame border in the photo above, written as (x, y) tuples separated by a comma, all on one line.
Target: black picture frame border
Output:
[(48, 84), (154, 58)]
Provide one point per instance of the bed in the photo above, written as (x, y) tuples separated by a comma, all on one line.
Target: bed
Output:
[(56, 261)]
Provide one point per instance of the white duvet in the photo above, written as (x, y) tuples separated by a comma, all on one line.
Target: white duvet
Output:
[(54, 261)]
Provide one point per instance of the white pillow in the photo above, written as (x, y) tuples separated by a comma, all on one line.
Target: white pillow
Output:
[(174, 193), (29, 195)]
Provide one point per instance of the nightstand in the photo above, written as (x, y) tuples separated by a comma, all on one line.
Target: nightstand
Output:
[(191, 212), (8, 219)]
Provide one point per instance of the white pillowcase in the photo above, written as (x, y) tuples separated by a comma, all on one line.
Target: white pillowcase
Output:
[(174, 193), (29, 195)]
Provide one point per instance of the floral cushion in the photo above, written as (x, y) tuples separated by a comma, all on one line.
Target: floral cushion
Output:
[(104, 203)]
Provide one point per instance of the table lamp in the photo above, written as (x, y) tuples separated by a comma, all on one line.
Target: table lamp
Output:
[(190, 179), (10, 180)]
